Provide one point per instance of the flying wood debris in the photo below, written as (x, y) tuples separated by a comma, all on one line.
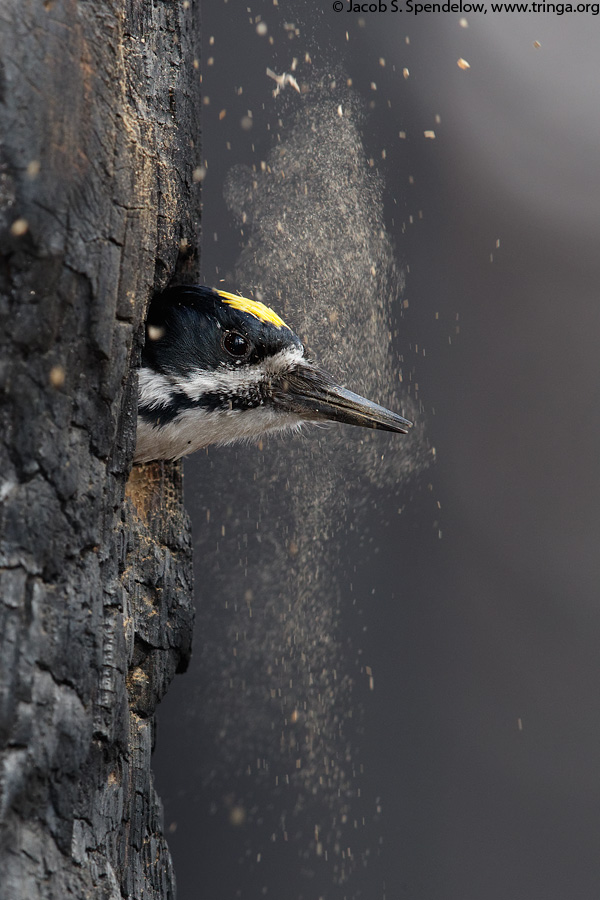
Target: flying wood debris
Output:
[(282, 81)]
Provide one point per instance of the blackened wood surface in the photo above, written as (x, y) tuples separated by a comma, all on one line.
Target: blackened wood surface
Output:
[(99, 137)]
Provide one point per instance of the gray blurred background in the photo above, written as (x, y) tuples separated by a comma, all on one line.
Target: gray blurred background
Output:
[(394, 687)]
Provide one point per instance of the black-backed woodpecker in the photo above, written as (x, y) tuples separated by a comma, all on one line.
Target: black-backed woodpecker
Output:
[(218, 368)]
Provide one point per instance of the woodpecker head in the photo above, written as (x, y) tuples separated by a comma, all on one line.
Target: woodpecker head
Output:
[(218, 368)]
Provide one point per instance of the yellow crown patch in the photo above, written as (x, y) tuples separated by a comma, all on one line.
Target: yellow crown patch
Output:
[(253, 308)]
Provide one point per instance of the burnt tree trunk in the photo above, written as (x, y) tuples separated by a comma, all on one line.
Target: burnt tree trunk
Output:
[(99, 137)]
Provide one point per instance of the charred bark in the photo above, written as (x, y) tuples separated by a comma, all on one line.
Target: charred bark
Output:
[(99, 137)]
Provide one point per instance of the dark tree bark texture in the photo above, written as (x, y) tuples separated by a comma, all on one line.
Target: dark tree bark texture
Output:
[(99, 137)]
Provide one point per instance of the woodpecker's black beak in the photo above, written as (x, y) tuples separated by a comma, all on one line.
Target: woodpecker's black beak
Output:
[(313, 395)]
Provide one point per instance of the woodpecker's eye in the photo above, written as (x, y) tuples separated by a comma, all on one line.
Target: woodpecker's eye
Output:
[(236, 344)]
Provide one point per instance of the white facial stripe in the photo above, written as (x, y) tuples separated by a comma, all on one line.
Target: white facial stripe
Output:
[(154, 389), (229, 380)]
